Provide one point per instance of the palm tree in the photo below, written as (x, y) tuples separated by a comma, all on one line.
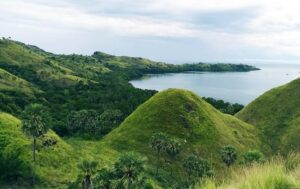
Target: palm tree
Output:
[(104, 178), (34, 126), (173, 149), (158, 142), (128, 168), (88, 168)]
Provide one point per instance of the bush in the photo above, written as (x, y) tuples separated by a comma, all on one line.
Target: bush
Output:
[(254, 156), (228, 155), (196, 168)]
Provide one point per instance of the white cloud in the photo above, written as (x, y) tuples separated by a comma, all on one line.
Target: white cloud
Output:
[(185, 6), (275, 26), (74, 18)]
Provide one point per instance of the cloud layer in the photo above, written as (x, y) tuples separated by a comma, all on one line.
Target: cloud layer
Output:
[(170, 30)]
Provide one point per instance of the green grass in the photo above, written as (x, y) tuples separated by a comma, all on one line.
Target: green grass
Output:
[(272, 175), (277, 116), (10, 82), (13, 145), (23, 57)]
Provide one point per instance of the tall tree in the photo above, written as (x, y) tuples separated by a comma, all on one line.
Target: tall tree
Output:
[(88, 168), (158, 143), (34, 125), (128, 169), (228, 155)]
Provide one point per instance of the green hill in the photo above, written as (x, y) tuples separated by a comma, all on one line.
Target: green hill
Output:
[(201, 129), (56, 162), (277, 115)]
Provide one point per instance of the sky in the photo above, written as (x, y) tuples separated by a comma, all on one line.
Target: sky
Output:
[(175, 31)]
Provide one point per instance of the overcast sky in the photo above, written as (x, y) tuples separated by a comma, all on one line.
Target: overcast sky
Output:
[(165, 30)]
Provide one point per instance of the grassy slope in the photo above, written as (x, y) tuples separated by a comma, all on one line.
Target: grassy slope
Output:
[(19, 56), (10, 82), (56, 165), (201, 129), (277, 115)]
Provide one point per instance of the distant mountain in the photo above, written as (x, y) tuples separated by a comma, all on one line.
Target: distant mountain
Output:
[(276, 114)]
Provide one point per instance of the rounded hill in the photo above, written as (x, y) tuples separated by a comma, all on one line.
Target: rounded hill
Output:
[(201, 129), (276, 114)]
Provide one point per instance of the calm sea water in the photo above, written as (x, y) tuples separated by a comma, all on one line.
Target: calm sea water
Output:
[(240, 87)]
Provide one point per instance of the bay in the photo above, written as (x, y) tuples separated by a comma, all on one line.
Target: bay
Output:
[(235, 87)]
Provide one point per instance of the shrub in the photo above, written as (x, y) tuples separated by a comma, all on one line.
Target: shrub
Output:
[(196, 168), (253, 156), (228, 155)]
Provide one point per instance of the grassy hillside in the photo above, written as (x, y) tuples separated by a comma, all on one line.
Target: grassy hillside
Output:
[(34, 65), (56, 164), (10, 82), (14, 159), (277, 115), (201, 129)]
